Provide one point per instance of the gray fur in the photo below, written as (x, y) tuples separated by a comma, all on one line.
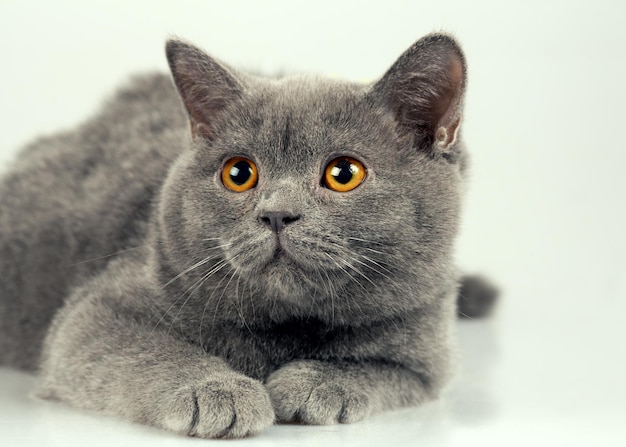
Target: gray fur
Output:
[(139, 286)]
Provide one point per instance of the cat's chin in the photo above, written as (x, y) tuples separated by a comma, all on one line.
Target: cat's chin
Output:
[(285, 278), (287, 270)]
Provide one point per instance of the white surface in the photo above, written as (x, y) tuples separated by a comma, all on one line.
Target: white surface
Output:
[(545, 217)]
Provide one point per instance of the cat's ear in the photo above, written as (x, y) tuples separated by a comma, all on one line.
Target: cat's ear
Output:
[(425, 88), (205, 86)]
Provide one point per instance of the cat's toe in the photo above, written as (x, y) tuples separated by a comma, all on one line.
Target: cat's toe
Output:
[(223, 408), (305, 394), (330, 403)]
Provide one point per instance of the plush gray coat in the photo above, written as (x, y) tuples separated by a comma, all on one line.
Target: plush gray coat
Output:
[(141, 285)]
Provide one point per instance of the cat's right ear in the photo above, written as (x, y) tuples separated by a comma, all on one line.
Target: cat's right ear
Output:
[(205, 86)]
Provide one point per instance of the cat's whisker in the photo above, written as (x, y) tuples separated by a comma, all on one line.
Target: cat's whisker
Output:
[(164, 314), (105, 256), (359, 272), (315, 290), (240, 307), (217, 247), (372, 268), (353, 268), (250, 296), (167, 311), (377, 264), (195, 287), (378, 252), (198, 264), (364, 240), (219, 300), (345, 271), (187, 270), (373, 250), (350, 254), (215, 268), (237, 286), (331, 294), (206, 304)]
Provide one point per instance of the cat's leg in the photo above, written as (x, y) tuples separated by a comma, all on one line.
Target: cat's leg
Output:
[(103, 354), (403, 361), (316, 392)]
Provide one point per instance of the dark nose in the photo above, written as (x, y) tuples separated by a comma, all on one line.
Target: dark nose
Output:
[(277, 220)]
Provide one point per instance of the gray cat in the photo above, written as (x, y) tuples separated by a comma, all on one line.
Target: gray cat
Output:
[(292, 261)]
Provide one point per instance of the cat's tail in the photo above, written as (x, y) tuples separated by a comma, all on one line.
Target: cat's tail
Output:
[(477, 297)]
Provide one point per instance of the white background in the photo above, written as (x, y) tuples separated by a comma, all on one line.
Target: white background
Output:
[(545, 215)]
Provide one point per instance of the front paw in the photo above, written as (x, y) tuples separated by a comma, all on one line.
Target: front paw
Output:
[(222, 407), (316, 393)]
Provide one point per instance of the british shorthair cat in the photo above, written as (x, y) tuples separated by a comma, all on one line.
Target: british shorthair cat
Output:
[(291, 260)]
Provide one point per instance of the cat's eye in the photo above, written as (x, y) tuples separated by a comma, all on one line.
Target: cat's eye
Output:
[(240, 174), (343, 174)]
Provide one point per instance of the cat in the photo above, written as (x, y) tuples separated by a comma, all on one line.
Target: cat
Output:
[(291, 260)]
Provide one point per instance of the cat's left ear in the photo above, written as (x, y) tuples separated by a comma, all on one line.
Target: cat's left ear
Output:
[(424, 88), (206, 86)]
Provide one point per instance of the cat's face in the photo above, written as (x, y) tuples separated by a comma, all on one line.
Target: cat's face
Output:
[(308, 194)]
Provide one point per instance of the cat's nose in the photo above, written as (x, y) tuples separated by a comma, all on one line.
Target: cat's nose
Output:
[(277, 220)]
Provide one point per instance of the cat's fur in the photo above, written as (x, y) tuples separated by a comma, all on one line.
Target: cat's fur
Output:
[(141, 287)]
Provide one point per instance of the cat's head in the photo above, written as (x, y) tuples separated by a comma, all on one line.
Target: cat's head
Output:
[(305, 196)]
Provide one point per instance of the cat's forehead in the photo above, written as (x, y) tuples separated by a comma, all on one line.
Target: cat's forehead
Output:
[(304, 98), (305, 118)]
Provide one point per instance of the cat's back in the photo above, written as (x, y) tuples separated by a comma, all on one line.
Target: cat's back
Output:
[(126, 129), (79, 195)]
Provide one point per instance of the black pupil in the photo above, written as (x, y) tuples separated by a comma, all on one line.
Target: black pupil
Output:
[(343, 171), (241, 172)]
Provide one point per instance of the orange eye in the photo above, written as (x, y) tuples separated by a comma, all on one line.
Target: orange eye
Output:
[(343, 174), (239, 174)]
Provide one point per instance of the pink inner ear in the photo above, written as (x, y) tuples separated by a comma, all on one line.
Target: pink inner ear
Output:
[(447, 107), (199, 129), (446, 136)]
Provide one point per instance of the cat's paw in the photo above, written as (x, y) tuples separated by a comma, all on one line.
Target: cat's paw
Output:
[(318, 394), (221, 407)]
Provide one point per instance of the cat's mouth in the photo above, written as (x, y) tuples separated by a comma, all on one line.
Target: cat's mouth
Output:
[(284, 254), (279, 254)]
